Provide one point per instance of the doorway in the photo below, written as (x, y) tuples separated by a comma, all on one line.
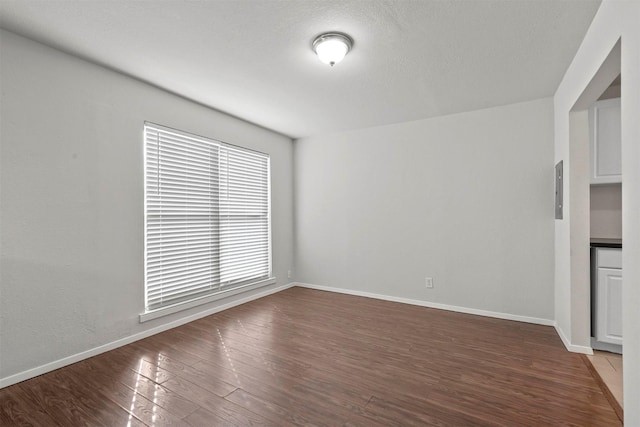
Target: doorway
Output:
[(605, 219), (596, 235)]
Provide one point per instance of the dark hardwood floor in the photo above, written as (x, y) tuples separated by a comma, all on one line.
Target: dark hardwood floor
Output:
[(305, 357)]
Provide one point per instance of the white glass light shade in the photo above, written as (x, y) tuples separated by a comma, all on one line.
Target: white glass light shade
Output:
[(331, 48)]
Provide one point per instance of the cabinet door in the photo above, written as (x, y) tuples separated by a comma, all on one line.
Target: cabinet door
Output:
[(609, 306), (606, 142)]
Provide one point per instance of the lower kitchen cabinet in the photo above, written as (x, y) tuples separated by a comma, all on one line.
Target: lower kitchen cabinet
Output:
[(608, 304)]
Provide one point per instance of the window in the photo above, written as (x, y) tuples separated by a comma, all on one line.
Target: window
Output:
[(207, 222)]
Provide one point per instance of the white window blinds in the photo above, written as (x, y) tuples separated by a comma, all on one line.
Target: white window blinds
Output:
[(207, 225)]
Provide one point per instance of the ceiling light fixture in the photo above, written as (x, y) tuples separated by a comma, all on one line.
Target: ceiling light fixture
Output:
[(331, 48)]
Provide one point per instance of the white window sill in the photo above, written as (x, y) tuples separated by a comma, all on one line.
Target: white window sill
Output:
[(175, 308)]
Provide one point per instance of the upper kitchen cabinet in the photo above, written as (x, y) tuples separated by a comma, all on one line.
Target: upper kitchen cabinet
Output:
[(606, 147)]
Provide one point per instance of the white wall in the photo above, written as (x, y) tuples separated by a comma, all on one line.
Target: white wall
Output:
[(72, 201), (615, 20), (611, 92), (466, 199), (606, 211), (578, 199)]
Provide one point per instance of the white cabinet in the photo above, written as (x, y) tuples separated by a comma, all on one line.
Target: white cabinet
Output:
[(609, 319), (606, 147), (609, 296)]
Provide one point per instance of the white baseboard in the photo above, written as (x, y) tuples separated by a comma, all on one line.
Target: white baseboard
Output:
[(572, 347), (466, 310), (48, 367)]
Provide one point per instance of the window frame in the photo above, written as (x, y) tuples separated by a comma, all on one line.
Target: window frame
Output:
[(223, 290)]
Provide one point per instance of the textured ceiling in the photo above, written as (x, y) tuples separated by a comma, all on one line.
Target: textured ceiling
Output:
[(253, 58)]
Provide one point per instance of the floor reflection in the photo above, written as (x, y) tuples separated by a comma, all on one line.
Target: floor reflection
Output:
[(135, 393), (155, 390), (226, 352)]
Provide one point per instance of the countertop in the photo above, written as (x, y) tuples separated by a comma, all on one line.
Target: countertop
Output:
[(599, 242)]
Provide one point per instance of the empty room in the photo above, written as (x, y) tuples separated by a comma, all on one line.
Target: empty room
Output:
[(319, 213)]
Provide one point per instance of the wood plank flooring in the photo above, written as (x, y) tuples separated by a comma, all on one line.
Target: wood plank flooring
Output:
[(313, 358)]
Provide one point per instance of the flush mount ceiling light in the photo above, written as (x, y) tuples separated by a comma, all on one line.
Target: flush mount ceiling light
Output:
[(331, 48)]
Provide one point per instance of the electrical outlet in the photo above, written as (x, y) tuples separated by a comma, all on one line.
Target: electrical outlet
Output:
[(429, 282), (289, 274)]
